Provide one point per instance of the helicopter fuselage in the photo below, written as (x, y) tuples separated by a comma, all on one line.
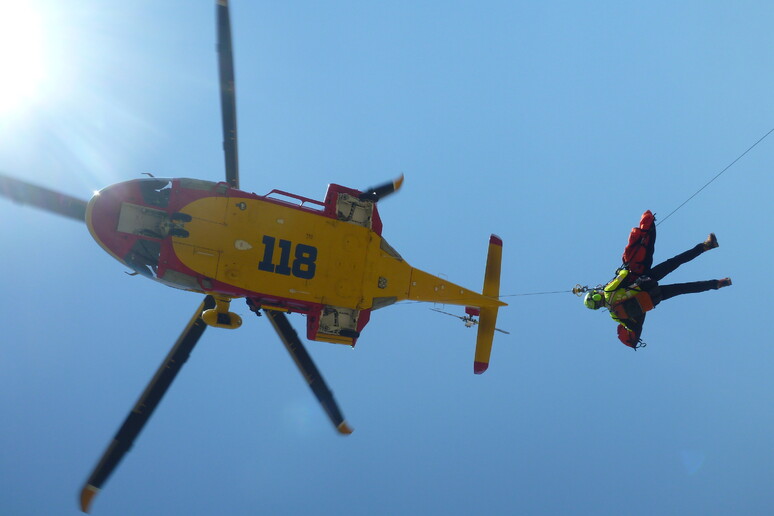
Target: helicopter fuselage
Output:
[(281, 251)]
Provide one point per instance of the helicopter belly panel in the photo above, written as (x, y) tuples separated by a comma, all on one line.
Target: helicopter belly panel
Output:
[(278, 250), (206, 260)]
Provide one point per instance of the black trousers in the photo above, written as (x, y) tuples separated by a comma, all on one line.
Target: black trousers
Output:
[(657, 273)]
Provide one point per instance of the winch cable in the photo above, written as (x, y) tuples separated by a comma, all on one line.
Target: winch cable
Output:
[(751, 147)]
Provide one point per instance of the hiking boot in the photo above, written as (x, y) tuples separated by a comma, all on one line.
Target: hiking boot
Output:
[(725, 282), (711, 242)]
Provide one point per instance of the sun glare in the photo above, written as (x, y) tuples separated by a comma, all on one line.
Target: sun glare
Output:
[(22, 63)]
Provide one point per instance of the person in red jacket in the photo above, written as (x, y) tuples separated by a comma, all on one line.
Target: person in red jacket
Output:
[(636, 289)]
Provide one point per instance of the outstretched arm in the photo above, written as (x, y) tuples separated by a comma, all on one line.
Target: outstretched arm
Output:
[(613, 285)]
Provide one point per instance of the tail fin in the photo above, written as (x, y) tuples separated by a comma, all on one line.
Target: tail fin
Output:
[(488, 319)]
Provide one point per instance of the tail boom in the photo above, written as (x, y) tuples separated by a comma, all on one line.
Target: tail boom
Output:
[(429, 288)]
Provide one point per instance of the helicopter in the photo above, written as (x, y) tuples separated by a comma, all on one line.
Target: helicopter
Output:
[(281, 252)]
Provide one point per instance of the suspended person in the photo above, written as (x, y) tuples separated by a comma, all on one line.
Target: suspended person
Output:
[(635, 289)]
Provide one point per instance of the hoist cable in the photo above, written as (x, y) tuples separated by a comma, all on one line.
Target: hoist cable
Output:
[(536, 293), (718, 175)]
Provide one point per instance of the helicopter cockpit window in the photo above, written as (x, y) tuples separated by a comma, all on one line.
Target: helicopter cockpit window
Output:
[(155, 192), (144, 257), (207, 186)]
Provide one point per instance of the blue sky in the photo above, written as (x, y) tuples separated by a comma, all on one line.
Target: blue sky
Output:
[(553, 125)]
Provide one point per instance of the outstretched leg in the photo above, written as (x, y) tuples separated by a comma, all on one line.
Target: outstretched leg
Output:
[(694, 287), (658, 272)]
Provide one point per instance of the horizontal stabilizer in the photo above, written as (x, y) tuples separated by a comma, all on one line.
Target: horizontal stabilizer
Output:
[(488, 314)]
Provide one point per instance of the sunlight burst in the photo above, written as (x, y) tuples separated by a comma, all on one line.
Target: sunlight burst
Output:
[(22, 62)]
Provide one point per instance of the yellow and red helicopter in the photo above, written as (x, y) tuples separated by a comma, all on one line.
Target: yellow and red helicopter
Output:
[(282, 253)]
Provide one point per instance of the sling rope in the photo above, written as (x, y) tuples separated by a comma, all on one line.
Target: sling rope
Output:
[(718, 175)]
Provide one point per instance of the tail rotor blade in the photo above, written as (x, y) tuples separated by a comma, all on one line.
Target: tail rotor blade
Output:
[(145, 406), (309, 371), (227, 93), (447, 313), (467, 319), (43, 198)]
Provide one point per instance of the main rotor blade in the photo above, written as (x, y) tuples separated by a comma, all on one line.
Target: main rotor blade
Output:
[(308, 369), (43, 198), (227, 93), (147, 403), (376, 193)]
